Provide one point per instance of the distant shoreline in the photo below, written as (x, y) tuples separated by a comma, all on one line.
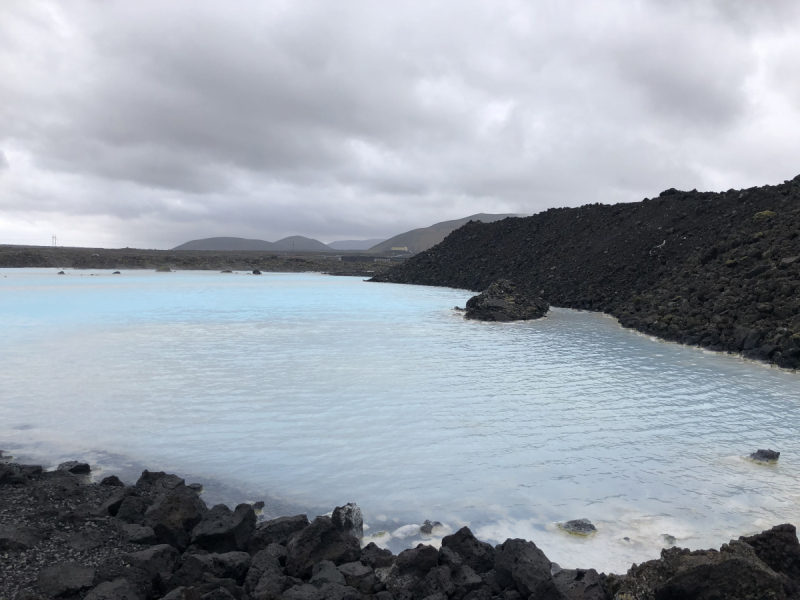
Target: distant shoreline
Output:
[(179, 260)]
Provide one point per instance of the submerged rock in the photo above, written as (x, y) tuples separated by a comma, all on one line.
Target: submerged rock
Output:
[(579, 527), (256, 272), (502, 301), (766, 456), (428, 526)]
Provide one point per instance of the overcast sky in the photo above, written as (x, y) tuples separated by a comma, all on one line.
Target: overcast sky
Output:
[(150, 122)]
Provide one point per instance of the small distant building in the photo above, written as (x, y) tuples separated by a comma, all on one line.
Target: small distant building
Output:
[(400, 248)]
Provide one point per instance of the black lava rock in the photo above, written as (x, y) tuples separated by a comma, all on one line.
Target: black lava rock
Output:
[(715, 270), (768, 456), (502, 301)]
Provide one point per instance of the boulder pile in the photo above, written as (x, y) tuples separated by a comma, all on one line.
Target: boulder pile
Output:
[(63, 537)]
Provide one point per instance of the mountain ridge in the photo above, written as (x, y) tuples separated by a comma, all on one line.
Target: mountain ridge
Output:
[(423, 238)]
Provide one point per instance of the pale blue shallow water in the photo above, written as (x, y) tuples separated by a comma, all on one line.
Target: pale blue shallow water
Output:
[(322, 390)]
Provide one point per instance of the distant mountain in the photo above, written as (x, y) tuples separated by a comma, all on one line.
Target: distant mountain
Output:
[(355, 244), (226, 243), (295, 242), (419, 240), (298, 242)]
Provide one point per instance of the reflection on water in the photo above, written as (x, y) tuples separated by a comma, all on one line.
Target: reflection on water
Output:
[(323, 390)]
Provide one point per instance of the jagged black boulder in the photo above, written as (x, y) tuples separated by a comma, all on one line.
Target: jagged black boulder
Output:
[(321, 540), (223, 530), (174, 514), (734, 572), (520, 564), (779, 549), (502, 301), (275, 531), (478, 555)]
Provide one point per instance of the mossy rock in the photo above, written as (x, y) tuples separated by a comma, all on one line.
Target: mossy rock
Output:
[(763, 215)]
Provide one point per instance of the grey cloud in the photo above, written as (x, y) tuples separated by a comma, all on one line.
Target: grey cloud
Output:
[(359, 118), (3, 161)]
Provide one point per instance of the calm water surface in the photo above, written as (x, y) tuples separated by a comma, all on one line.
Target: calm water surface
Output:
[(321, 390)]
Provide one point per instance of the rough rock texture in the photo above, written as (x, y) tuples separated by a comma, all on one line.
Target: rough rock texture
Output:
[(580, 584), (478, 555), (375, 557), (275, 531), (224, 531), (734, 573), (716, 270), (174, 514), (65, 578), (348, 520), (321, 540), (579, 527), (502, 301), (119, 589), (767, 456), (779, 549), (75, 467), (521, 565)]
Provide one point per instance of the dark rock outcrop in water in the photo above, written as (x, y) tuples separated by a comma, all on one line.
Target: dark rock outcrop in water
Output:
[(767, 456), (502, 301), (62, 537), (716, 270)]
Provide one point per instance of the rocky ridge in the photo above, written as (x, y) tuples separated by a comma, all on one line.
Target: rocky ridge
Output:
[(62, 536), (716, 270)]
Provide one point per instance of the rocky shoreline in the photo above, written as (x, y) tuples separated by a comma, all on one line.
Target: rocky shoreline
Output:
[(715, 270), (62, 536)]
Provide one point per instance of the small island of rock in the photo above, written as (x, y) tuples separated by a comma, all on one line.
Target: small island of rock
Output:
[(502, 301)]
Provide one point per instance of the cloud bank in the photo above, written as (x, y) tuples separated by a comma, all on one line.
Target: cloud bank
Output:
[(149, 123)]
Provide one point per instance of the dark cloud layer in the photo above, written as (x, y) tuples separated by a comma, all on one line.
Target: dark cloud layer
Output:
[(149, 122)]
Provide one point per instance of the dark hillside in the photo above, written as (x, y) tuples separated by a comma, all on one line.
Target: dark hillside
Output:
[(717, 270)]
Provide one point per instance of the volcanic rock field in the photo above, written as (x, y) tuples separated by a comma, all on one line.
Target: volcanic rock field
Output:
[(716, 270)]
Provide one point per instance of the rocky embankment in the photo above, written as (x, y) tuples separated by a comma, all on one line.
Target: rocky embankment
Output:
[(717, 270), (64, 537), (132, 258)]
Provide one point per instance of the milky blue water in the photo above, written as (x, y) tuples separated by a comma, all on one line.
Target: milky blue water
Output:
[(321, 390)]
